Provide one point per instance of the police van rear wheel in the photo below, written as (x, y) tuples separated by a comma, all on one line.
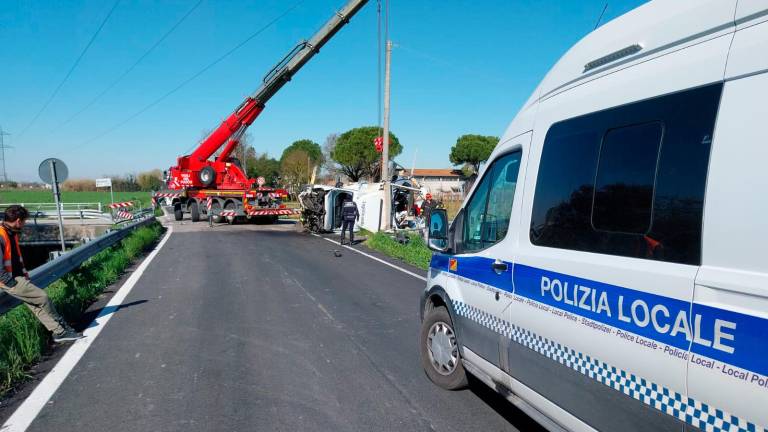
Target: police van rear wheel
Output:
[(439, 349)]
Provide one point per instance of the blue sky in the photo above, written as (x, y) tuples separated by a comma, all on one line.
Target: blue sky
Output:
[(459, 67)]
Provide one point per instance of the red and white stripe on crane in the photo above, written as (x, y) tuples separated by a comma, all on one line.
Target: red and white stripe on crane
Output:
[(273, 212)]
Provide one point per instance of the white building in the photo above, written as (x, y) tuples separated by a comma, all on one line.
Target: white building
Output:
[(440, 181)]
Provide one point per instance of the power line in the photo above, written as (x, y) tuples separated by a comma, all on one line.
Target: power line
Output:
[(600, 18), (71, 69), (132, 67), (193, 77)]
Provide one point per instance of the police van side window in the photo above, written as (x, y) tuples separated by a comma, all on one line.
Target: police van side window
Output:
[(488, 211), (630, 180), (626, 174)]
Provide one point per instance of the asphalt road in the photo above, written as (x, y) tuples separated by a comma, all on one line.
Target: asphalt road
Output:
[(262, 328)]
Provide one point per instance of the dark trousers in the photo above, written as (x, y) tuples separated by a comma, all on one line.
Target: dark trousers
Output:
[(351, 226)]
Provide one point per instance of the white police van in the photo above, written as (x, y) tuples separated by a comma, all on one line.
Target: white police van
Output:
[(609, 269)]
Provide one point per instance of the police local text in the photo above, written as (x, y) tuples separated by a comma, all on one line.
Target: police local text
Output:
[(639, 313)]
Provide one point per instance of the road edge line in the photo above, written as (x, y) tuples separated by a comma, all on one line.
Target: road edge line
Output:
[(27, 412), (408, 272)]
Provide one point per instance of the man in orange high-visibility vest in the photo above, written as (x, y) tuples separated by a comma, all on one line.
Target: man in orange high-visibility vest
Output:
[(14, 279)]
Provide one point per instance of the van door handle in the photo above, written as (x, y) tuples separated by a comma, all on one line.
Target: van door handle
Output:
[(499, 266)]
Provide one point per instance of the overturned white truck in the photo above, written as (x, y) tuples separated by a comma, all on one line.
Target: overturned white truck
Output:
[(321, 206)]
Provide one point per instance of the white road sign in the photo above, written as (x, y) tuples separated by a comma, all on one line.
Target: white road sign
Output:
[(104, 182)]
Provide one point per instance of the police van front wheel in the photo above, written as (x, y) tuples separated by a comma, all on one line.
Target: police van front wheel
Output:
[(439, 349)]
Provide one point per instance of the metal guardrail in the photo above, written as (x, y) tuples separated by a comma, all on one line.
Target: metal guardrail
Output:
[(52, 271), (51, 207), (71, 214)]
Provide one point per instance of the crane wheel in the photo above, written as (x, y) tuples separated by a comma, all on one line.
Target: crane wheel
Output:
[(230, 206), (194, 211), (215, 207), (207, 176), (177, 213)]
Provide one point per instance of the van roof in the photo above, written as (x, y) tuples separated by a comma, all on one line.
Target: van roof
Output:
[(650, 30)]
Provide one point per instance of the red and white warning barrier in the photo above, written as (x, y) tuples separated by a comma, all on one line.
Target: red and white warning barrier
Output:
[(209, 203), (167, 194), (124, 215), (121, 205), (229, 213)]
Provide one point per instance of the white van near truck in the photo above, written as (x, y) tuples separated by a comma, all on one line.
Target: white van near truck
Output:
[(609, 269)]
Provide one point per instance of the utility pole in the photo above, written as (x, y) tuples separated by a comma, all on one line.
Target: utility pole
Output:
[(386, 209), (4, 174)]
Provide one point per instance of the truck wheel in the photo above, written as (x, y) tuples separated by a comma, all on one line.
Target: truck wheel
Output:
[(207, 176), (215, 208), (194, 211), (177, 213), (230, 206), (440, 354)]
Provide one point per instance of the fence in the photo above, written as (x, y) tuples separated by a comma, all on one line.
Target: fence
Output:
[(51, 271)]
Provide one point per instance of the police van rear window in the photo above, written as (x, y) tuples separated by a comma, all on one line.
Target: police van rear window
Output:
[(628, 181)]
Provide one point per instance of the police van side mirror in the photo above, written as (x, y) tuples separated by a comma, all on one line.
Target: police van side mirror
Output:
[(437, 230)]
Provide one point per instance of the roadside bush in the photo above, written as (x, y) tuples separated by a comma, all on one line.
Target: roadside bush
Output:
[(79, 185), (23, 339), (150, 180)]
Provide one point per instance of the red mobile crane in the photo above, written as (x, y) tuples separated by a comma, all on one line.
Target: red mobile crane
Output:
[(197, 181)]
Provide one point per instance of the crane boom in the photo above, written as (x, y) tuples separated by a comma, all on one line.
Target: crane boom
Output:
[(273, 81), (304, 51)]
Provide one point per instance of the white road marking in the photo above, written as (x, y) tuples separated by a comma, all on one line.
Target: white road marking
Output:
[(375, 259), (26, 413)]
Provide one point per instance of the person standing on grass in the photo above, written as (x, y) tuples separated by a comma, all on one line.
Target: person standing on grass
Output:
[(349, 215), (14, 279)]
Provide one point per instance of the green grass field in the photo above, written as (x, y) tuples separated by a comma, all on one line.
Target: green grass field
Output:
[(15, 196), (415, 253)]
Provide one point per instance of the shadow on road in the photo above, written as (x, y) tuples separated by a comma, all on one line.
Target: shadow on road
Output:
[(503, 407), (91, 315)]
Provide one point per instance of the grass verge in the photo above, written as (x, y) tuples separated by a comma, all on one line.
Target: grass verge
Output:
[(415, 252), (23, 339)]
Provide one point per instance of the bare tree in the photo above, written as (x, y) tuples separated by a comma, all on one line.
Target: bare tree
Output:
[(295, 169), (330, 168)]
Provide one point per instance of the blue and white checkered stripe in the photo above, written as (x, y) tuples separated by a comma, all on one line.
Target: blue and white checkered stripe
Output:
[(691, 411)]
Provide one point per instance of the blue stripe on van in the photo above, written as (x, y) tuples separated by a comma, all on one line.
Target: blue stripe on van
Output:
[(731, 337), (701, 415)]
